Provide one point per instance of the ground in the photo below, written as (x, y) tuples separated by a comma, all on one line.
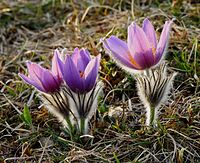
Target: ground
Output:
[(32, 30)]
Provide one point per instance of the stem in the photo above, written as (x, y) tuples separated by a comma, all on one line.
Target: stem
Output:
[(152, 117), (83, 125)]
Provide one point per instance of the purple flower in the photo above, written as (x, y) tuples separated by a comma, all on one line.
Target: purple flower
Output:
[(79, 71), (43, 79), (142, 49)]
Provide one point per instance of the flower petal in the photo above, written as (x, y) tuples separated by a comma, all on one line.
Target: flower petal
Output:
[(55, 65), (71, 75), (85, 57), (49, 82), (163, 40), (75, 56), (119, 51), (150, 33), (35, 71), (32, 82), (91, 73), (137, 40), (145, 59), (41, 78), (77, 59)]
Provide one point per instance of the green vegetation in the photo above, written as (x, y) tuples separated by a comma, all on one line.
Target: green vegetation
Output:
[(31, 30)]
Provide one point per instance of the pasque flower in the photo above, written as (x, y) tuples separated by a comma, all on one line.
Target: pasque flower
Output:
[(142, 49), (47, 81), (142, 53), (79, 71)]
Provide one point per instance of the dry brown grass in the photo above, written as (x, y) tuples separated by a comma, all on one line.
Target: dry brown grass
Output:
[(31, 30)]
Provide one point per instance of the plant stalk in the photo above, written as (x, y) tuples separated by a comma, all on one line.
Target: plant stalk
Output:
[(83, 125), (152, 117)]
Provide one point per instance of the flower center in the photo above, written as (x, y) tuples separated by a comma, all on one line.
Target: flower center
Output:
[(81, 73), (154, 51), (133, 61)]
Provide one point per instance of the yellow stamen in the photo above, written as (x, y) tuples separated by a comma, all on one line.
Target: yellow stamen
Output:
[(133, 61), (81, 73), (154, 51)]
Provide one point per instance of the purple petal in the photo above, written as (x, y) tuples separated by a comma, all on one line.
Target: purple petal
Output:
[(32, 82), (77, 59), (41, 78), (71, 75), (145, 59), (84, 58), (137, 40), (75, 56), (35, 71), (56, 64), (119, 51), (150, 33), (163, 40), (49, 82), (91, 73)]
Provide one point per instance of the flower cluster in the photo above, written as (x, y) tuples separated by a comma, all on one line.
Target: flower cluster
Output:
[(70, 89)]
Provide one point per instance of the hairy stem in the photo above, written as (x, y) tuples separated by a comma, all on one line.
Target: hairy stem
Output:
[(83, 125), (152, 116)]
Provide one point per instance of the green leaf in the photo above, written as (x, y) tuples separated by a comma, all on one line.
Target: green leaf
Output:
[(26, 116)]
